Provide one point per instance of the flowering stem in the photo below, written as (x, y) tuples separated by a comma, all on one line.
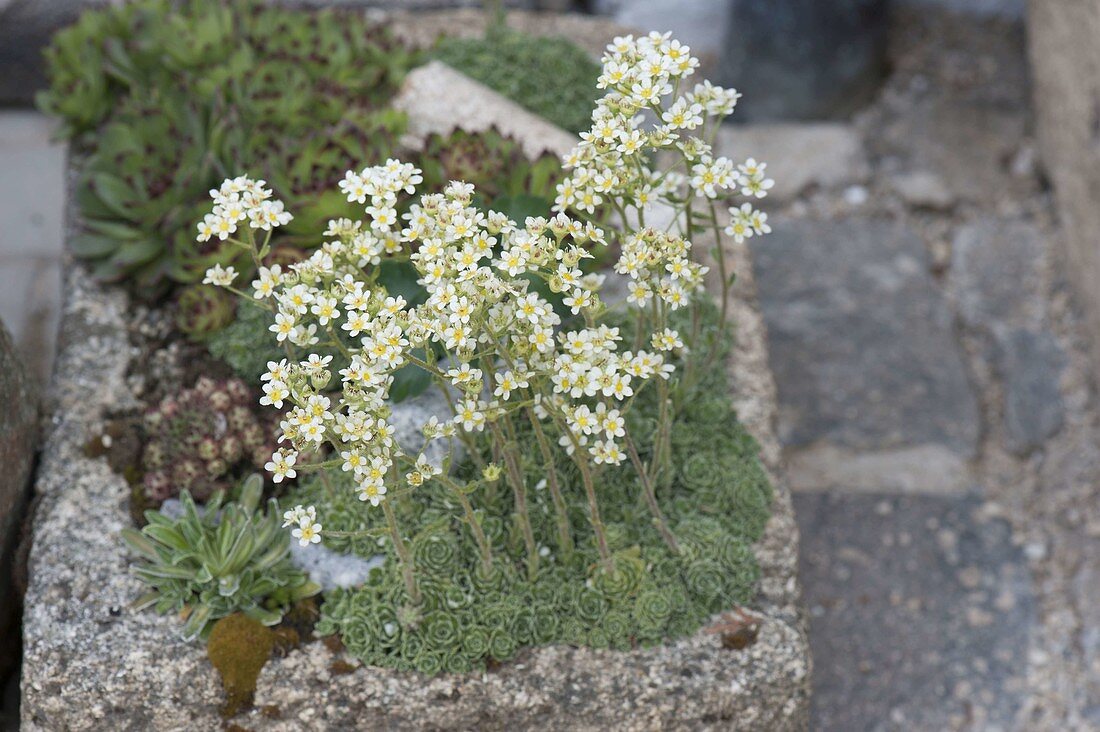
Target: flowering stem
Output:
[(651, 497), (593, 506), (565, 534), (519, 492), (723, 274), (403, 556), (475, 528)]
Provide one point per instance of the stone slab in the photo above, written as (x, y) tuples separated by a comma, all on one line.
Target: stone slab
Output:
[(920, 613), (1066, 70), (804, 59), (90, 663), (18, 442), (439, 99), (863, 350), (32, 188), (997, 281), (799, 155)]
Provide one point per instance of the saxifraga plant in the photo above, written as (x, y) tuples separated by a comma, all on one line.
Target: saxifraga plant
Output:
[(221, 560), (585, 401)]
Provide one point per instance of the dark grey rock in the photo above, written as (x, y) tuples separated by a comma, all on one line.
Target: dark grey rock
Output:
[(804, 59), (996, 277), (1001, 8), (1033, 409), (861, 339), (995, 271), (18, 440), (920, 613)]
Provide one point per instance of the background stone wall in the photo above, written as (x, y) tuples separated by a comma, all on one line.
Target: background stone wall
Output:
[(1065, 58)]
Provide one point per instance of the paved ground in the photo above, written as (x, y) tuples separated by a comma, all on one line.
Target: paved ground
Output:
[(935, 409), (31, 203)]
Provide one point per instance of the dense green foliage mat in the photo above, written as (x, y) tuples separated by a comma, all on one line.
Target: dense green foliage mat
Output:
[(717, 504)]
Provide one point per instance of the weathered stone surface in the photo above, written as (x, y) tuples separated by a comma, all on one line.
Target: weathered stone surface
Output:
[(804, 59), (920, 613), (822, 154), (1033, 411), (863, 351), (701, 24), (1003, 8), (421, 29), (922, 189), (995, 271), (996, 276), (1066, 69), (90, 663), (30, 248), (18, 440)]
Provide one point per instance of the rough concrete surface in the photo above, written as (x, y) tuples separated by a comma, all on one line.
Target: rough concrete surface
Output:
[(92, 663)]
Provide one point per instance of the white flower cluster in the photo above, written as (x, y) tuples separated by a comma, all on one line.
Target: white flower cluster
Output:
[(480, 330), (611, 164), (491, 341), (238, 199), (304, 520)]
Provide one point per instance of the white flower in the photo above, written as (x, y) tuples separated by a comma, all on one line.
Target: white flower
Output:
[(667, 340), (274, 394), (373, 491), (281, 465), (470, 415), (307, 533), (220, 277), (298, 515)]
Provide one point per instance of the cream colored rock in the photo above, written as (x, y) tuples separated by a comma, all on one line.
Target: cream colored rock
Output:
[(1065, 61), (799, 155), (439, 100)]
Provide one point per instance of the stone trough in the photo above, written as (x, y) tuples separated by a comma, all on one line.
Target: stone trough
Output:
[(92, 663)]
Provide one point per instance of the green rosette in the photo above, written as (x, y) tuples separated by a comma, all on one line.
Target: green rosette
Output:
[(546, 623), (429, 663), (617, 625), (652, 610), (502, 645), (589, 605), (441, 631), (436, 553), (475, 642), (706, 580), (598, 638), (621, 581), (702, 471)]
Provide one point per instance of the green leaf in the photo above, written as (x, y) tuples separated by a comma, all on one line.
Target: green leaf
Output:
[(409, 381), (92, 246), (196, 622), (166, 535), (138, 542), (114, 193), (520, 206)]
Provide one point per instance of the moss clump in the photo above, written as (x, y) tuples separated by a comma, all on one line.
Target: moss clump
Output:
[(557, 80), (716, 501), (238, 648)]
